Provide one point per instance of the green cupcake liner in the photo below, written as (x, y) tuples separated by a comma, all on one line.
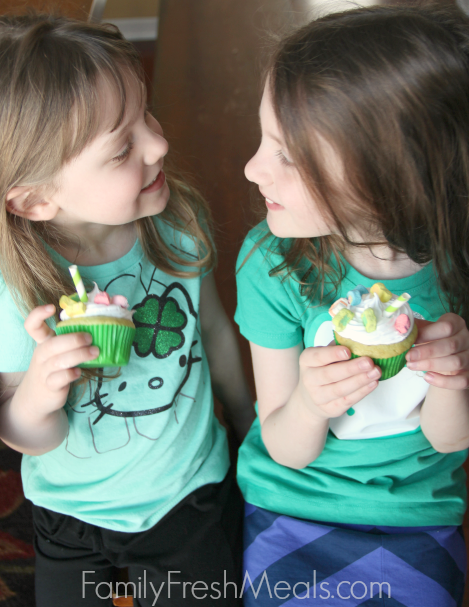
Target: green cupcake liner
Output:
[(113, 340), (389, 366)]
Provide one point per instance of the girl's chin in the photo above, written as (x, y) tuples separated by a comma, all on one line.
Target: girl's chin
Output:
[(277, 229), (281, 229), (157, 202)]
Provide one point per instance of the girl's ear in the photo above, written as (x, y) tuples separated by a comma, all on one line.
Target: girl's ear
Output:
[(27, 202)]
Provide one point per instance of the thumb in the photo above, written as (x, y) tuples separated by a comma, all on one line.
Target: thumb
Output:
[(35, 323), (421, 326)]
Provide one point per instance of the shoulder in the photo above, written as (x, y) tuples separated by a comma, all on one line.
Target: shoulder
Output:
[(269, 302), (17, 345)]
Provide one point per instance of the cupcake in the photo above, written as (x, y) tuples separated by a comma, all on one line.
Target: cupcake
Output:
[(107, 319), (376, 323)]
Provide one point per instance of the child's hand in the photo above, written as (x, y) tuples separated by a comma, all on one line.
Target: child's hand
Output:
[(53, 365), (442, 349), (330, 383)]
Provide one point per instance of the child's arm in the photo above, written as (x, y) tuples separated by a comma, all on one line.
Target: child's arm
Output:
[(298, 392), (442, 349), (226, 369), (32, 419)]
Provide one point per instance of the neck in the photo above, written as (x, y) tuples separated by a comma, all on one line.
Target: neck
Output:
[(92, 244), (381, 262)]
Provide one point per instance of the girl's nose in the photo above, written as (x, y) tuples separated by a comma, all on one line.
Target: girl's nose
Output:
[(255, 171), (156, 147)]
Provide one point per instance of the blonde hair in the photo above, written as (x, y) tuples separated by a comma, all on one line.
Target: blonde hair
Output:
[(50, 67)]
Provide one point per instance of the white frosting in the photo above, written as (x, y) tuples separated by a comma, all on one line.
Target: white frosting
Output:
[(92, 309), (385, 332)]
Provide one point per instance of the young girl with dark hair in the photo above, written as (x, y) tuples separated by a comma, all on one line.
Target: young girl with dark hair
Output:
[(354, 487), (127, 470)]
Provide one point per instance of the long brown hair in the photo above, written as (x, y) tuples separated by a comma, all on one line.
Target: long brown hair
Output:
[(50, 68), (388, 88)]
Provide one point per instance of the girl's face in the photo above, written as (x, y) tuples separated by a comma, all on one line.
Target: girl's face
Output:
[(291, 210), (118, 177)]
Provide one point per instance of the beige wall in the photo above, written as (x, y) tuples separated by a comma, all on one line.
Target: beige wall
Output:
[(126, 9)]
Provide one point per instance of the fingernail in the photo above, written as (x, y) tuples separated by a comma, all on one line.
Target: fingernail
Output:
[(94, 351), (49, 308), (345, 354), (364, 364), (374, 373), (413, 355), (88, 338)]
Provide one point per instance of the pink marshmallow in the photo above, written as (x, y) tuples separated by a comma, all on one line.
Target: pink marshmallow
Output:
[(402, 323), (102, 298), (120, 300)]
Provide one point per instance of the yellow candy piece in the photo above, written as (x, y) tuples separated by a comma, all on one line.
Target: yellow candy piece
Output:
[(341, 319), (381, 291), (369, 320), (65, 302), (71, 307)]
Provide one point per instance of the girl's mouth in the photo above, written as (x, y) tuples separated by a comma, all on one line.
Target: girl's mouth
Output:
[(272, 206), (155, 185)]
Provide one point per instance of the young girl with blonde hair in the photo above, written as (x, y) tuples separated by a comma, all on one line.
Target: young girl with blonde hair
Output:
[(354, 487), (127, 470)]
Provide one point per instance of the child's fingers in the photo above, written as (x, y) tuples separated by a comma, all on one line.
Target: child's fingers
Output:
[(442, 364), (454, 345), (339, 391), (449, 324), (459, 381), (73, 358), (62, 379), (62, 344), (35, 325), (325, 355), (331, 374)]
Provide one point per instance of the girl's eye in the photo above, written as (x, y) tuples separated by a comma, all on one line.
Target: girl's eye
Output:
[(283, 159), (123, 155)]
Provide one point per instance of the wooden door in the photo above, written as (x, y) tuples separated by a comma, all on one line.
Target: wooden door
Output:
[(79, 9)]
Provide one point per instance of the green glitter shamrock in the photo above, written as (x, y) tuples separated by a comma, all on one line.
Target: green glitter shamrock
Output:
[(159, 322)]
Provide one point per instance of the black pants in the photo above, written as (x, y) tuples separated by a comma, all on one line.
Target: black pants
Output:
[(191, 557)]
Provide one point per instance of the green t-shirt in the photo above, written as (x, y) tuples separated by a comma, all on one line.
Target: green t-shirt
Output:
[(377, 467), (138, 444)]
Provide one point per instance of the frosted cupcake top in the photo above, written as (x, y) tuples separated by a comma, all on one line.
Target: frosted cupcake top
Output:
[(99, 304), (373, 316)]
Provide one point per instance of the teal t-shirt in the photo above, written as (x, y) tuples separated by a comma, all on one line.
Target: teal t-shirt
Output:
[(138, 444), (381, 471)]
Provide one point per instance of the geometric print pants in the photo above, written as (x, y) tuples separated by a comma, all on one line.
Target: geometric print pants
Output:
[(296, 563)]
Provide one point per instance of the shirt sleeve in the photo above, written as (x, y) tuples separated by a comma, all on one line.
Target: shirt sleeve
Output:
[(16, 346), (265, 313)]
